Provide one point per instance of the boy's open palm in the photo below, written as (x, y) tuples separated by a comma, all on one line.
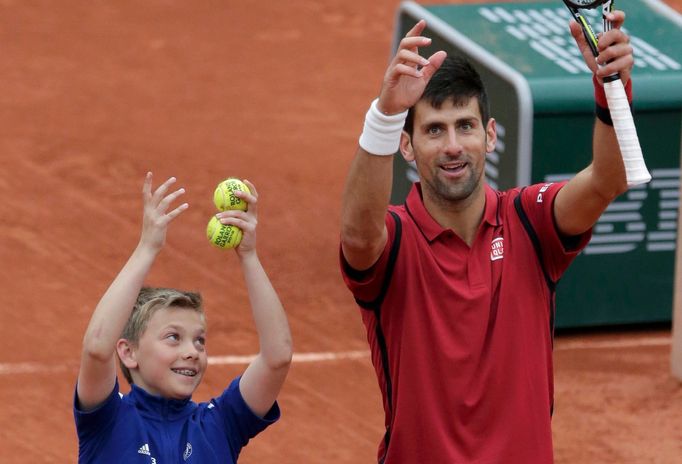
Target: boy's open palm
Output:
[(156, 215), (97, 374)]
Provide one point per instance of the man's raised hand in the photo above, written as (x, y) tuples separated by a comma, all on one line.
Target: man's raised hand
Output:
[(408, 73)]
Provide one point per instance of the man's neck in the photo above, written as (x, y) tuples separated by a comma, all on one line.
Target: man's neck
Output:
[(463, 217)]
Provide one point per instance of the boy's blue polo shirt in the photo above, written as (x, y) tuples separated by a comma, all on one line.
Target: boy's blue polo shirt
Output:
[(143, 428)]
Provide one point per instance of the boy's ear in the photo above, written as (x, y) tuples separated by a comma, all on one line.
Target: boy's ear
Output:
[(126, 352)]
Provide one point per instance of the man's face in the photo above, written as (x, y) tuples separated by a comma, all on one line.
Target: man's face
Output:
[(171, 353), (449, 146)]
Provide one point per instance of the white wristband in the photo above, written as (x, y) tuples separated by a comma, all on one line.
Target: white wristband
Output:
[(381, 134)]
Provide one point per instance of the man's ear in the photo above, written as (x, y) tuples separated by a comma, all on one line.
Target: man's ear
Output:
[(127, 353), (491, 135), (406, 146)]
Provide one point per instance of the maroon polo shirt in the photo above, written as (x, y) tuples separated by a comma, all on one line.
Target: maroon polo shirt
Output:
[(462, 341)]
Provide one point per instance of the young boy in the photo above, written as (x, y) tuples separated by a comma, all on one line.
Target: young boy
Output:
[(159, 337)]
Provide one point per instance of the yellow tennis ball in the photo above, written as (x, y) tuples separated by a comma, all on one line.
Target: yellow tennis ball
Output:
[(224, 197), (222, 235)]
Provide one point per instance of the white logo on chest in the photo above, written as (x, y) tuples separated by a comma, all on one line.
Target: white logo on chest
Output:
[(497, 249), (188, 451)]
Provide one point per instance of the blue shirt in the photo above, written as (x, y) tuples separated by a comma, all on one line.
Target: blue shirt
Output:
[(148, 429)]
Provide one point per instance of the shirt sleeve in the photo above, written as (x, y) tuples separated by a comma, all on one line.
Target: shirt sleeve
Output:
[(241, 423), (557, 251), (366, 285), (93, 423)]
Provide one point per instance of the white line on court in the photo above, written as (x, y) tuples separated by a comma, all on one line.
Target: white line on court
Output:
[(298, 357), (230, 360), (611, 344), (30, 368), (44, 368)]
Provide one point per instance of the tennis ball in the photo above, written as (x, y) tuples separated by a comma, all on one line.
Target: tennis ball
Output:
[(224, 197), (222, 235)]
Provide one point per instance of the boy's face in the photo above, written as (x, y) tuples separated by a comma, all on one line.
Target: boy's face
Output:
[(171, 353)]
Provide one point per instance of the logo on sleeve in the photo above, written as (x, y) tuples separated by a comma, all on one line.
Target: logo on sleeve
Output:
[(543, 190), (497, 249)]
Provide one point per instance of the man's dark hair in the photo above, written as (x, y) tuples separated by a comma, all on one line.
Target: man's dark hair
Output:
[(456, 80)]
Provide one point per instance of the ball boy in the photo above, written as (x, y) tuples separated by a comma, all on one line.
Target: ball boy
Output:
[(159, 337)]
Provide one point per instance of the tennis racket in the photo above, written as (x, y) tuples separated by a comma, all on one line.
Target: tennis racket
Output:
[(635, 169)]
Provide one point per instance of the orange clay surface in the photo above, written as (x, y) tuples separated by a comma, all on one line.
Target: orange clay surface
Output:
[(96, 93)]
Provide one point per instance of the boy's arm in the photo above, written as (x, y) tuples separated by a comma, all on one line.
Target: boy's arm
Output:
[(368, 186), (585, 197), (263, 379), (97, 374)]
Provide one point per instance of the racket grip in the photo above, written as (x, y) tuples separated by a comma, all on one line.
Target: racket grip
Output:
[(635, 169)]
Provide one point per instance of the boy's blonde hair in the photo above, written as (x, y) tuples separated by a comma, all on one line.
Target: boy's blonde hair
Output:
[(149, 301)]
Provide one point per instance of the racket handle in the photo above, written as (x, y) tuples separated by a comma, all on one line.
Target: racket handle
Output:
[(635, 169)]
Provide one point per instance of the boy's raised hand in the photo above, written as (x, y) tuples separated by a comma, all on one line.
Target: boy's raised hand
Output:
[(245, 220), (97, 374), (156, 215)]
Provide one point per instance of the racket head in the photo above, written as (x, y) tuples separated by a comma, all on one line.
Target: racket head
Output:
[(588, 4)]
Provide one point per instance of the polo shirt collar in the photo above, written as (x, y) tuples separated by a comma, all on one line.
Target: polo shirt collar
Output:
[(158, 407), (429, 227)]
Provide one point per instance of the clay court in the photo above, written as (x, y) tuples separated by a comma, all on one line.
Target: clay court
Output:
[(96, 93)]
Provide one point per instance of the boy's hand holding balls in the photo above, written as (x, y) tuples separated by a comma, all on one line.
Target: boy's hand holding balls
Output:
[(225, 235), (224, 197), (222, 235)]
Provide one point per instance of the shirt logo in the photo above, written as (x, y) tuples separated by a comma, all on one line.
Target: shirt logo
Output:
[(543, 190), (497, 249), (188, 451), (144, 449)]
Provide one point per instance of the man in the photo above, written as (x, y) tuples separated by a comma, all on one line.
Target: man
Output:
[(456, 286)]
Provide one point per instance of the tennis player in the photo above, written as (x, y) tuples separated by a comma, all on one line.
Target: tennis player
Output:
[(457, 285)]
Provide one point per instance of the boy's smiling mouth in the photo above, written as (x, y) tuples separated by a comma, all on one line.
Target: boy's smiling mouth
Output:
[(185, 371)]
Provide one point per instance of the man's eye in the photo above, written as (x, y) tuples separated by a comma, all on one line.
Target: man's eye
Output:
[(434, 130)]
